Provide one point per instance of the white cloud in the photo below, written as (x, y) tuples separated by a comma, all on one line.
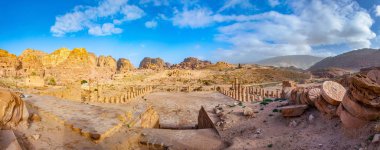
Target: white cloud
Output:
[(377, 10), (105, 29), (196, 18), (151, 24), (236, 3), (274, 3), (132, 12), (314, 24), (155, 2), (87, 17)]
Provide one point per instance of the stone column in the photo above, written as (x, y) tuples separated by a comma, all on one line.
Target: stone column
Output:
[(242, 93), (277, 93), (239, 91), (247, 94)]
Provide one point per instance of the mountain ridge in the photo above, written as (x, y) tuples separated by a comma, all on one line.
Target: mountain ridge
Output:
[(298, 61)]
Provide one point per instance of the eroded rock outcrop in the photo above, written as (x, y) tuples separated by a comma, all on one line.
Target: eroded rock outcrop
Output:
[(106, 62), (192, 63), (78, 58), (152, 63), (31, 62), (55, 58), (8, 63), (12, 109), (124, 65)]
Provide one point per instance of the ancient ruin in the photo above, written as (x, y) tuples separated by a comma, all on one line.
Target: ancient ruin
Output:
[(103, 103), (190, 75)]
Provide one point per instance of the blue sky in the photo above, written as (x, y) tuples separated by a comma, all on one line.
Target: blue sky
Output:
[(237, 31)]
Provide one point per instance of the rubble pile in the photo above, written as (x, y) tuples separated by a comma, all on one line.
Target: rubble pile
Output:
[(361, 103), (355, 105)]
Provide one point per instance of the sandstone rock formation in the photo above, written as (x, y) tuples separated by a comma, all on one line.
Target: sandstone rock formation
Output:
[(31, 62), (12, 109), (220, 66), (192, 63), (55, 58), (8, 63), (78, 58), (78, 64), (106, 62), (152, 63), (124, 65), (293, 110)]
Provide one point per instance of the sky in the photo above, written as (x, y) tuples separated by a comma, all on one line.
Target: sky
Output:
[(236, 31)]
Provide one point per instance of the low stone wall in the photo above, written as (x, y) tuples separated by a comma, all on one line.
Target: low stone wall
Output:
[(248, 93), (122, 98)]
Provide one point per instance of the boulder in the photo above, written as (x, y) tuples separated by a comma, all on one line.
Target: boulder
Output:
[(325, 107), (374, 75), (249, 112), (293, 110), (12, 109), (304, 97), (348, 120), (365, 90), (313, 94), (359, 110), (333, 92)]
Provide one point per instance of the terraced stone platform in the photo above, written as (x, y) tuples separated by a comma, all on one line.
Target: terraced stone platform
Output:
[(92, 121), (181, 139)]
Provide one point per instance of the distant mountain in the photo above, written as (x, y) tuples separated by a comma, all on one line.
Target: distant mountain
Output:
[(353, 60), (298, 61)]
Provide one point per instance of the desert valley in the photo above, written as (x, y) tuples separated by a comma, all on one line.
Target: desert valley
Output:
[(190, 75), (73, 99)]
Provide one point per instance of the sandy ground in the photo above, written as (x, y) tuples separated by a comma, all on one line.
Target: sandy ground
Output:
[(181, 109), (268, 130)]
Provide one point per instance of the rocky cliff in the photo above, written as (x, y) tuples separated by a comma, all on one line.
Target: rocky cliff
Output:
[(220, 66), (192, 63), (152, 63), (78, 58), (124, 65), (55, 58), (8, 63), (31, 62), (62, 65), (106, 62)]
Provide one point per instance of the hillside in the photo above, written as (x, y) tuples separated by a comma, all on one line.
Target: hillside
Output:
[(298, 61), (353, 60)]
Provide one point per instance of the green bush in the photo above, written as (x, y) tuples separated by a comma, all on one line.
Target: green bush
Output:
[(83, 82), (52, 81)]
